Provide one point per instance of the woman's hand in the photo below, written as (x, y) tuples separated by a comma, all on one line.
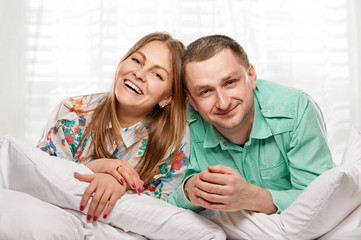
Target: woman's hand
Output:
[(120, 170), (105, 189)]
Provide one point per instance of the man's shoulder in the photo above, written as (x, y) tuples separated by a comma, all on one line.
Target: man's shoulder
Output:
[(279, 99), (270, 88)]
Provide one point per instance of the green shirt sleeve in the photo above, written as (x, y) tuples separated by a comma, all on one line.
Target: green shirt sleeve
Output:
[(308, 152), (179, 199)]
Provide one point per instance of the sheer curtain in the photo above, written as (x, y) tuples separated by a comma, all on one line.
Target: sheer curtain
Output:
[(55, 49)]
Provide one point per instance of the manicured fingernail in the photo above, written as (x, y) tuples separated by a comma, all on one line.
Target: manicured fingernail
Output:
[(95, 218), (133, 185), (121, 180), (81, 208), (141, 189), (105, 216), (88, 217)]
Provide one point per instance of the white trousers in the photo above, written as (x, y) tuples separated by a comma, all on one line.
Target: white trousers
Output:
[(27, 169)]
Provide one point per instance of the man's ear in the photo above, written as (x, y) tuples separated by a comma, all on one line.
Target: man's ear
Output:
[(165, 101), (191, 100), (252, 76)]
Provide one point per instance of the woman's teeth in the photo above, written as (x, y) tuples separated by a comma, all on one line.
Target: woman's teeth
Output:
[(133, 87)]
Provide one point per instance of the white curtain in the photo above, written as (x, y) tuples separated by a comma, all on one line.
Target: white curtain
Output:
[(52, 49)]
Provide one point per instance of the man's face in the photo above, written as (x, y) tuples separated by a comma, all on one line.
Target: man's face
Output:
[(221, 90)]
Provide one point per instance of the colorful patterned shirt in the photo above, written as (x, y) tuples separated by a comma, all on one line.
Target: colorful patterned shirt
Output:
[(68, 122)]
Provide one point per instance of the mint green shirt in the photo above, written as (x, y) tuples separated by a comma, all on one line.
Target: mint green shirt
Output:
[(287, 148)]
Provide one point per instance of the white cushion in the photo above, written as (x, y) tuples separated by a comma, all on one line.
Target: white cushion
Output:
[(323, 204), (329, 199)]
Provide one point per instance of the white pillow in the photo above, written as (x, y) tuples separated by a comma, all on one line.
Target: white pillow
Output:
[(323, 204), (27, 169), (329, 198)]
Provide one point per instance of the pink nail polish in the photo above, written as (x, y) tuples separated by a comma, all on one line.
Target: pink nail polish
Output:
[(95, 218), (121, 181), (133, 185), (105, 216), (88, 217), (81, 208)]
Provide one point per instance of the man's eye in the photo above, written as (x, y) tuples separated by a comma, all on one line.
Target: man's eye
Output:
[(230, 82), (204, 92)]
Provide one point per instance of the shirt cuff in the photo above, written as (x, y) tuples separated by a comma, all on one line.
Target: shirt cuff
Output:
[(283, 199), (183, 200)]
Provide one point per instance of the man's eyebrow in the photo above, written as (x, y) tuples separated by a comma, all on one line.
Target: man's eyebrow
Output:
[(230, 75), (156, 65), (199, 87)]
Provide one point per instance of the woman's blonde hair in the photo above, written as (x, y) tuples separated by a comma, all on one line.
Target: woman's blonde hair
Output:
[(165, 125)]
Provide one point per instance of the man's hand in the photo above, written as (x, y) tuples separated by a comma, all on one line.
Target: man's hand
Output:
[(222, 188)]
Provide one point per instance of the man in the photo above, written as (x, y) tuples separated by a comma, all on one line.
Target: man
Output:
[(255, 145)]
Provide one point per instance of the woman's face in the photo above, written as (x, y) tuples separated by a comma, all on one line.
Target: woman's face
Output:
[(144, 80)]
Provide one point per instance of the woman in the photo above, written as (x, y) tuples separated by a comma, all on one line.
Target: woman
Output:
[(128, 135)]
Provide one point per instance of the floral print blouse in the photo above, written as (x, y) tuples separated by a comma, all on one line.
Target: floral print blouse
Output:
[(68, 122)]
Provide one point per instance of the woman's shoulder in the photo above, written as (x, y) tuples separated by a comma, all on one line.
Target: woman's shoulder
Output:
[(84, 103)]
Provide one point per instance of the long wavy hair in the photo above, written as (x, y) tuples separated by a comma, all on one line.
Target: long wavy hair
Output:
[(165, 125)]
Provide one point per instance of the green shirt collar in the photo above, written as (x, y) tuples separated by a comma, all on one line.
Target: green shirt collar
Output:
[(260, 128)]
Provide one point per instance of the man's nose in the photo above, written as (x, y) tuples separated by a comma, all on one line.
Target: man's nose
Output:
[(222, 100)]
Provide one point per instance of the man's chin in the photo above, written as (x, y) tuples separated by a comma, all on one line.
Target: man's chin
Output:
[(226, 127)]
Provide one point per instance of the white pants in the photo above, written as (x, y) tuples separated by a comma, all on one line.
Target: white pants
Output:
[(50, 180), (24, 217)]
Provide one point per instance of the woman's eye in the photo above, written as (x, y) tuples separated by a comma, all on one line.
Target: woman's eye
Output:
[(135, 60), (158, 76)]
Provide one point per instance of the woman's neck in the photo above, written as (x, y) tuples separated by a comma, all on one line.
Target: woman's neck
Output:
[(129, 118)]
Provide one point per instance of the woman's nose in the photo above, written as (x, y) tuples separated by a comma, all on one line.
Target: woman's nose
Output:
[(139, 74)]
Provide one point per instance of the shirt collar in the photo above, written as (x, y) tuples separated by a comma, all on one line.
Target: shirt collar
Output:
[(130, 135), (260, 128)]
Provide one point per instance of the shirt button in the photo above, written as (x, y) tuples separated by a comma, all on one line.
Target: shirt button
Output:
[(225, 144), (253, 181), (193, 117), (264, 110)]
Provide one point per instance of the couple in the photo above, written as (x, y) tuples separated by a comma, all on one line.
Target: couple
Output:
[(249, 144)]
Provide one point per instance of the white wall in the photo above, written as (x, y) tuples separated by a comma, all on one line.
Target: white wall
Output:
[(11, 76)]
